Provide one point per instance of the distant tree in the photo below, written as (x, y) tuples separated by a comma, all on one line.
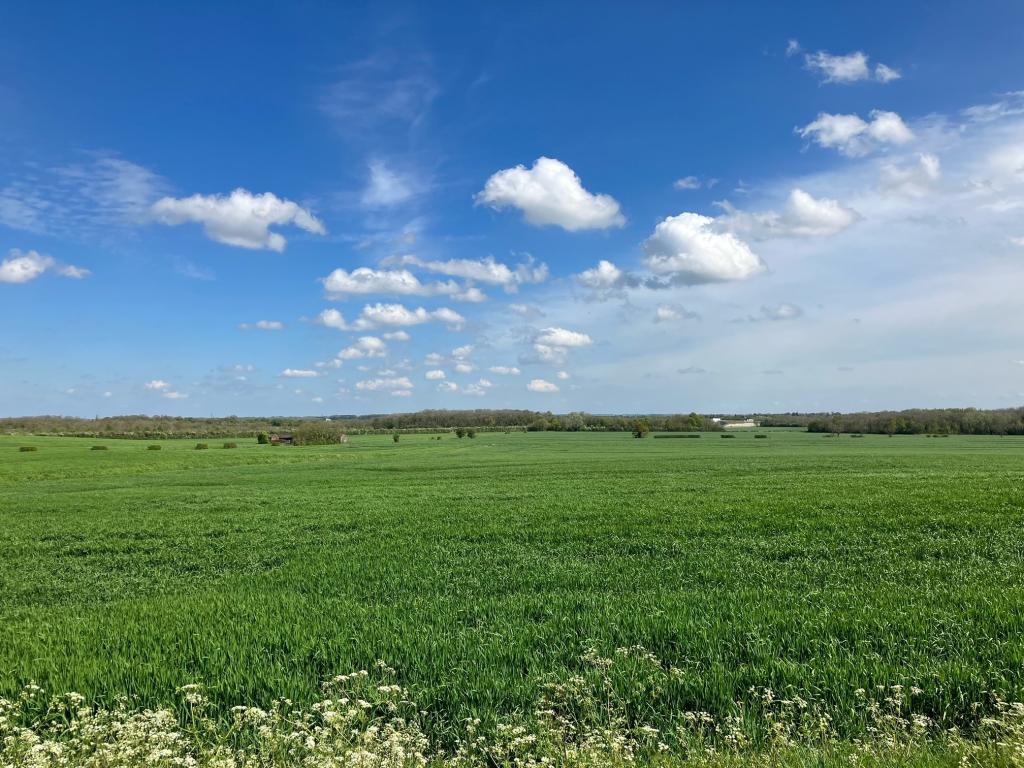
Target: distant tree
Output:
[(641, 427), (471, 433), (263, 438), (394, 436), (460, 432)]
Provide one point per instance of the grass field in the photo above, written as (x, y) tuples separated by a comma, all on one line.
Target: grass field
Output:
[(480, 568)]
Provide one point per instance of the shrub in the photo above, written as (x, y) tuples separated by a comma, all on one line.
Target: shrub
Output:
[(470, 433), (640, 428), (318, 433), (230, 445), (201, 446), (394, 437), (27, 448), (153, 447), (727, 434), (460, 432), (263, 438), (98, 448), (760, 437)]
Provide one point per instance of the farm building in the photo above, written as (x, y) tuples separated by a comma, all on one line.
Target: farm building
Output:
[(279, 439), (742, 424)]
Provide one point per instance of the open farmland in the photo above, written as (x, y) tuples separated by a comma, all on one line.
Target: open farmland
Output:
[(481, 568)]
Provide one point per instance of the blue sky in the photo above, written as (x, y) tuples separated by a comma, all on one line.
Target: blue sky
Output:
[(309, 209)]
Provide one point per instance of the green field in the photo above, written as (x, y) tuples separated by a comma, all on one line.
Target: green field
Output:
[(480, 568)]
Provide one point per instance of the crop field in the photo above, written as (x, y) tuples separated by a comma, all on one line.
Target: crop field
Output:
[(481, 569)]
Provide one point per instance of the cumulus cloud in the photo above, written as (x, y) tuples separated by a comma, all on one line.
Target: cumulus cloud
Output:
[(262, 325), (157, 385), (396, 336), (917, 179), (541, 385), (488, 270), (389, 315), (464, 367), (803, 216), (364, 280), (563, 337), (563, 375), (553, 344), (23, 267), (173, 395), (241, 219), (849, 68), (434, 375), (689, 250), (365, 346), (298, 373), (551, 193), (855, 137), (392, 383), (693, 182), (603, 277), (447, 386), (504, 370)]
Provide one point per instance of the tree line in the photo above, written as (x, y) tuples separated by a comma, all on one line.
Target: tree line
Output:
[(915, 421)]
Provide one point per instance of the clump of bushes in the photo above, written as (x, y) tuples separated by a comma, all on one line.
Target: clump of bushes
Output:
[(201, 446), (460, 432), (263, 438), (28, 448), (317, 433), (470, 433), (727, 435), (230, 445), (153, 447), (99, 448)]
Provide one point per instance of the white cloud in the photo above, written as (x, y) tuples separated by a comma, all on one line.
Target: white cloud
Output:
[(434, 375), (667, 314), (298, 373), (402, 393), (463, 351), (792, 47), (172, 395), (886, 74), (464, 367), (262, 325), (854, 137), (447, 386), (504, 370), (364, 280), (849, 68), (688, 249), (563, 337), (563, 375), (377, 315), (526, 310), (394, 383), (553, 344), (386, 187), (687, 182), (108, 394), (23, 267), (433, 358), (803, 216), (603, 277), (365, 346), (914, 180), (551, 193), (157, 385), (241, 219), (488, 270), (540, 385), (396, 336)]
